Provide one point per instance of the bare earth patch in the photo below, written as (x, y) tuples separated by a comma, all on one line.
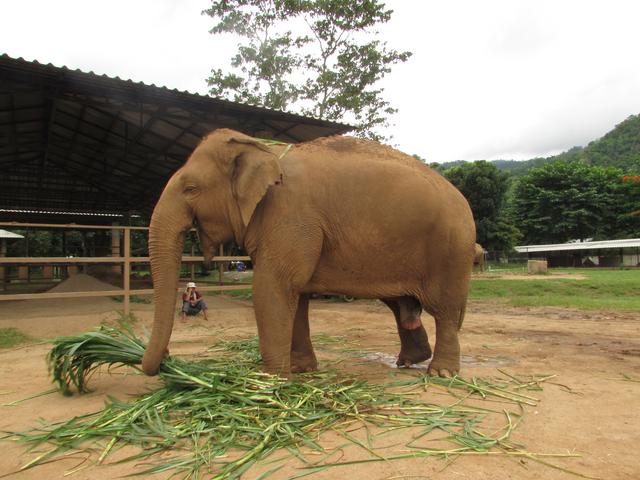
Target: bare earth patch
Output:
[(592, 409)]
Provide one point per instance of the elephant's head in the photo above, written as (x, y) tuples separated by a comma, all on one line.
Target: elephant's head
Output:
[(217, 191)]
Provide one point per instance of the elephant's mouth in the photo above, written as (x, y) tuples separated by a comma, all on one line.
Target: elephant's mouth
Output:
[(207, 245)]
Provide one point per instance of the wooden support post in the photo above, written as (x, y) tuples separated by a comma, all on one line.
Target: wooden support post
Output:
[(47, 272), (221, 266), (192, 264), (126, 271), (23, 272), (64, 271), (26, 270), (3, 253), (115, 247)]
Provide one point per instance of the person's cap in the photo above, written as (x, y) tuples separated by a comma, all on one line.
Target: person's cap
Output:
[(191, 285)]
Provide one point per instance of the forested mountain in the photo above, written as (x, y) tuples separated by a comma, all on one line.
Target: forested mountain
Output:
[(590, 192), (619, 148)]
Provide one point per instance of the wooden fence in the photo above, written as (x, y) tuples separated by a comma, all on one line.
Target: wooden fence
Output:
[(124, 258)]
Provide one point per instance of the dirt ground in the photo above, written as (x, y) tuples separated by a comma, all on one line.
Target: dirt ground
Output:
[(595, 412)]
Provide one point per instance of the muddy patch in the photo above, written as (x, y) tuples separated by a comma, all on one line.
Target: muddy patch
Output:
[(469, 360)]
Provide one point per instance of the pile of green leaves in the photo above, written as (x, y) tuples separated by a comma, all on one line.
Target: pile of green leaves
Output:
[(222, 415)]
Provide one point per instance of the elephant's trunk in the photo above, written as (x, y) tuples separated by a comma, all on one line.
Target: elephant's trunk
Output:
[(169, 223)]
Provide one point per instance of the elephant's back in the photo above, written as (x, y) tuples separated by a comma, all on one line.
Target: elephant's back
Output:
[(350, 166), (357, 150)]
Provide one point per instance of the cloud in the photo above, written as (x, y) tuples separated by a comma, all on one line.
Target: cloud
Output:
[(491, 79), (512, 79)]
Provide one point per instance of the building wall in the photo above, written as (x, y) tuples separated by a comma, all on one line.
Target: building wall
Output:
[(590, 258), (631, 260)]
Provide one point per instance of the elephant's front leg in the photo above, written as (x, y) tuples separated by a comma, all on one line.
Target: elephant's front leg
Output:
[(275, 304), (303, 358)]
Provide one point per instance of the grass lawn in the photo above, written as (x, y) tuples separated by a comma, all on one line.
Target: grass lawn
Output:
[(602, 289), (11, 337)]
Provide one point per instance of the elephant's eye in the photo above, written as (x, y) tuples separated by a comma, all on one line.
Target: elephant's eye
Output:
[(190, 189)]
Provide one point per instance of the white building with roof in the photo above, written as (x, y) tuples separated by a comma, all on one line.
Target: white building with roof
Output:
[(602, 253)]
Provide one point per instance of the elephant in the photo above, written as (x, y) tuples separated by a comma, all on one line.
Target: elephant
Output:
[(479, 257), (336, 215)]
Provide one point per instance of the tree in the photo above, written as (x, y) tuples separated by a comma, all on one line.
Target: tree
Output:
[(562, 201), (485, 188), (328, 68), (627, 203)]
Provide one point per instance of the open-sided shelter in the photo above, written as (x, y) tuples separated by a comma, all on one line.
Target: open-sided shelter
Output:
[(87, 148)]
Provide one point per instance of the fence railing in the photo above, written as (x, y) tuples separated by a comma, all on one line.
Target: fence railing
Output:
[(123, 258)]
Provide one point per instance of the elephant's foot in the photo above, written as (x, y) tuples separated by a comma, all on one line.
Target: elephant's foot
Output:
[(414, 346), (408, 358), (415, 350), (445, 368), (302, 362), (276, 365)]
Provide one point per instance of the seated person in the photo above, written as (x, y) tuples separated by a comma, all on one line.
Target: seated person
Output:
[(192, 302)]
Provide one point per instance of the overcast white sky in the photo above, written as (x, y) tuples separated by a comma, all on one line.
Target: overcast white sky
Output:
[(488, 79)]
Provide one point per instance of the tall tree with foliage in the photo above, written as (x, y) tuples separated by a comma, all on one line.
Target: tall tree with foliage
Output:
[(318, 56), (627, 206), (562, 201), (485, 187)]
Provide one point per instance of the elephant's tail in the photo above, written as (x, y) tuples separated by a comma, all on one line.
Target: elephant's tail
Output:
[(462, 312)]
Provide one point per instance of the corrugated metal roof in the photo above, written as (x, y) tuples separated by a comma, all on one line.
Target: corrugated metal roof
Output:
[(559, 247), (95, 78), (8, 234), (72, 141)]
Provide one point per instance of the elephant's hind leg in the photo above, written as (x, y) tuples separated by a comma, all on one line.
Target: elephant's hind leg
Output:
[(303, 358), (413, 337)]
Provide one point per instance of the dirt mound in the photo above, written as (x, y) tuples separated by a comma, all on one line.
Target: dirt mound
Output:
[(82, 283)]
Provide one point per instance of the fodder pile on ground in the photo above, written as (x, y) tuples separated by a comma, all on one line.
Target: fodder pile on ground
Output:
[(221, 415)]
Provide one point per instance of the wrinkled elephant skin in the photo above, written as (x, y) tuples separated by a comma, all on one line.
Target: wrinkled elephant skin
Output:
[(336, 215)]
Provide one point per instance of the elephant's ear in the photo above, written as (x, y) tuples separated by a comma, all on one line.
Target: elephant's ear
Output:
[(255, 169)]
